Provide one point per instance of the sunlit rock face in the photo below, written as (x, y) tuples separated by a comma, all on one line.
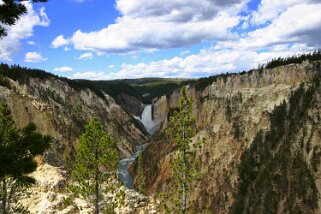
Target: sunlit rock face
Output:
[(130, 104), (228, 114), (48, 195), (62, 111)]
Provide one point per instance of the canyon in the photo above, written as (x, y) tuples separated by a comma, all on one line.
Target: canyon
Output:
[(231, 112)]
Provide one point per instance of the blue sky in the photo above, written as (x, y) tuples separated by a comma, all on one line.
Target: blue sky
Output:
[(99, 39)]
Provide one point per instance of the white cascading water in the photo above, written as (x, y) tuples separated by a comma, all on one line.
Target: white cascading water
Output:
[(147, 120)]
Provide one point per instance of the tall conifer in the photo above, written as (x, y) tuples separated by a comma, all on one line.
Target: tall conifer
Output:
[(18, 147), (140, 172), (95, 171), (180, 131)]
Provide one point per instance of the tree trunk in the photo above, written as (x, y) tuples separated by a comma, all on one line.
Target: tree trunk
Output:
[(97, 185), (184, 204), (4, 196), (184, 183), (97, 196)]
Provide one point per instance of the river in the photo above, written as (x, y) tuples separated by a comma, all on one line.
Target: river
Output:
[(124, 175), (151, 126)]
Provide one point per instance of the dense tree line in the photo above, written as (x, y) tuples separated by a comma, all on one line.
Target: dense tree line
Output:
[(149, 91), (23, 75), (296, 59), (202, 83), (113, 87), (146, 89)]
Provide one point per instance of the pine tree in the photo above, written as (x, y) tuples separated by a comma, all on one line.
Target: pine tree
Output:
[(10, 12), (180, 131), (140, 172), (95, 171), (18, 147)]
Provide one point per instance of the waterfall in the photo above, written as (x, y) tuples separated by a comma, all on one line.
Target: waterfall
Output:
[(151, 126), (147, 120)]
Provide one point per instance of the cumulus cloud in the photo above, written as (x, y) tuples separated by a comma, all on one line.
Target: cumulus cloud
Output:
[(241, 40), (299, 24), (34, 57), (23, 29), (147, 25), (270, 9), (91, 75), (86, 56), (60, 41), (177, 10), (31, 43), (207, 62), (63, 69), (126, 36), (111, 66)]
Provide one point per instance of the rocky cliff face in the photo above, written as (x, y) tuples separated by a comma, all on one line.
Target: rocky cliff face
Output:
[(62, 111), (48, 196), (261, 138), (130, 104), (229, 114)]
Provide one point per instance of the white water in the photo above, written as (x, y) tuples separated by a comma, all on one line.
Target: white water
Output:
[(147, 120), (124, 176), (151, 126)]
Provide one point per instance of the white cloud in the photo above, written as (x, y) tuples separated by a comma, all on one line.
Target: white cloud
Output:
[(299, 24), (34, 57), (101, 53), (86, 56), (125, 36), (177, 10), (208, 62), (270, 9), (91, 75), (23, 29), (31, 43), (63, 69), (277, 28), (60, 41), (147, 25)]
